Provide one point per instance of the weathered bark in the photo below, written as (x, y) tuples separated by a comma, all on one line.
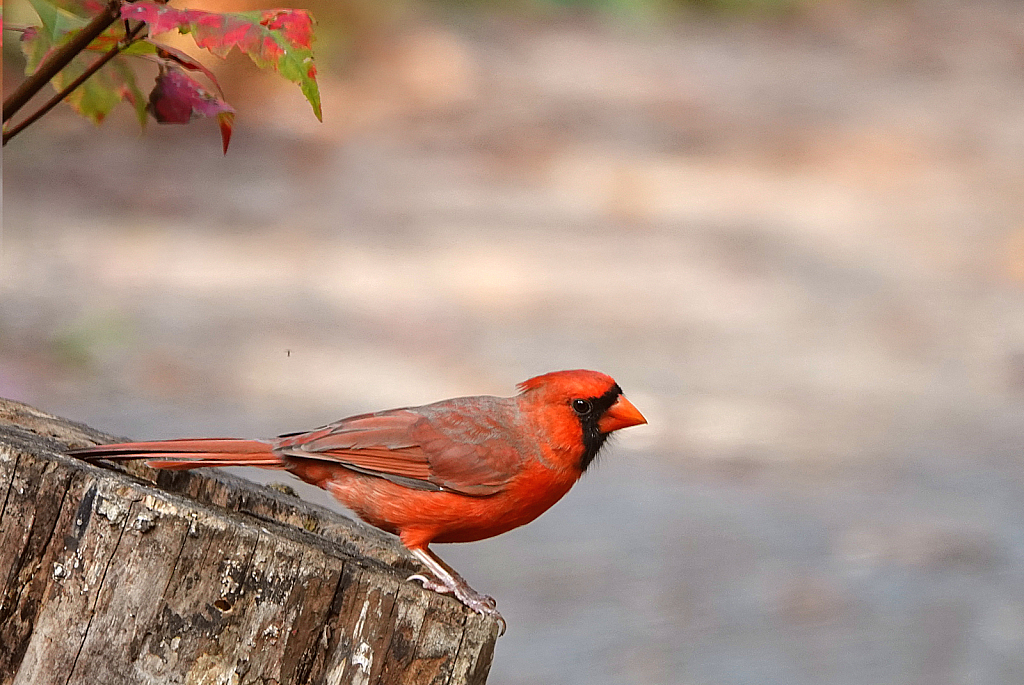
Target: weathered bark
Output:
[(199, 577)]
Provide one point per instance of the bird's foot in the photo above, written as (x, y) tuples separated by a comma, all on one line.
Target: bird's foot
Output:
[(480, 603), (431, 584)]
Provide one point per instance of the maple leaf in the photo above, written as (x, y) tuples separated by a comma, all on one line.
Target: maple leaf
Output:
[(166, 52), (97, 96), (279, 39), (178, 98), (61, 21)]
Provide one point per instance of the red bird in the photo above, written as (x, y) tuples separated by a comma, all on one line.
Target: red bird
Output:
[(458, 470)]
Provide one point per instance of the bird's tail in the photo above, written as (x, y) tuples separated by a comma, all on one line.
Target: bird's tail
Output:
[(189, 453)]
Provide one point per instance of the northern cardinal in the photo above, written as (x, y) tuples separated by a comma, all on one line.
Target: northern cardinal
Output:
[(454, 471)]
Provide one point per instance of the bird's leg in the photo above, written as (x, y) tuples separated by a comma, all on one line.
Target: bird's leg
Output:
[(449, 581)]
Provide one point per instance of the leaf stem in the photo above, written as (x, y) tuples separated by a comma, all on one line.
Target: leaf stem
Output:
[(60, 59), (56, 99)]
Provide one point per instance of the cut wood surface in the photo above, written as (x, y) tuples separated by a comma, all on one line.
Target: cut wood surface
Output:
[(131, 575)]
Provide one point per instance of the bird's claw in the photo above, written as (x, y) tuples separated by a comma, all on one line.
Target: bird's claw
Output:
[(483, 605), (479, 603), (431, 584)]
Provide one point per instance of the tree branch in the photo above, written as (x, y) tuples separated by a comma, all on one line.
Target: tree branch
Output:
[(60, 59), (93, 68)]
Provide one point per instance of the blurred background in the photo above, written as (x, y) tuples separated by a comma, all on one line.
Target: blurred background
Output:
[(793, 231)]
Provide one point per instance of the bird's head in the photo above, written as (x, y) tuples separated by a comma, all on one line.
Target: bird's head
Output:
[(589, 405)]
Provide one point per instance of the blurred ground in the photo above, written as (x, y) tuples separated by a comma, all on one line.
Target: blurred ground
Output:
[(797, 244)]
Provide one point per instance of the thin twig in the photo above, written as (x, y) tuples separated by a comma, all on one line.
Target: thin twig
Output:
[(56, 99), (60, 58)]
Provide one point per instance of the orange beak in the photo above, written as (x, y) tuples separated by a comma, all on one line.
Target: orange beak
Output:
[(622, 414)]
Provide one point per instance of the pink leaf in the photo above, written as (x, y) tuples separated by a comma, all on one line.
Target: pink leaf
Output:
[(178, 98), (187, 61)]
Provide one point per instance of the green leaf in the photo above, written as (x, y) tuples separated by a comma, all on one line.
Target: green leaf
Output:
[(97, 96), (81, 8), (102, 91), (35, 44), (57, 22), (131, 91), (60, 24)]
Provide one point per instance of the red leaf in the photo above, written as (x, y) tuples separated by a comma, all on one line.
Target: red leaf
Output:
[(226, 121), (178, 98), (187, 61), (280, 39), (297, 28)]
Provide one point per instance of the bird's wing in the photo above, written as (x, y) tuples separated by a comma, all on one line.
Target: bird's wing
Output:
[(429, 448)]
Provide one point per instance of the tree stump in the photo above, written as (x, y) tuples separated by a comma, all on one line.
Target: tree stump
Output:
[(131, 575)]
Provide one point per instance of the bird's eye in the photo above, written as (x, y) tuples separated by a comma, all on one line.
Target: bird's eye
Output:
[(581, 406)]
